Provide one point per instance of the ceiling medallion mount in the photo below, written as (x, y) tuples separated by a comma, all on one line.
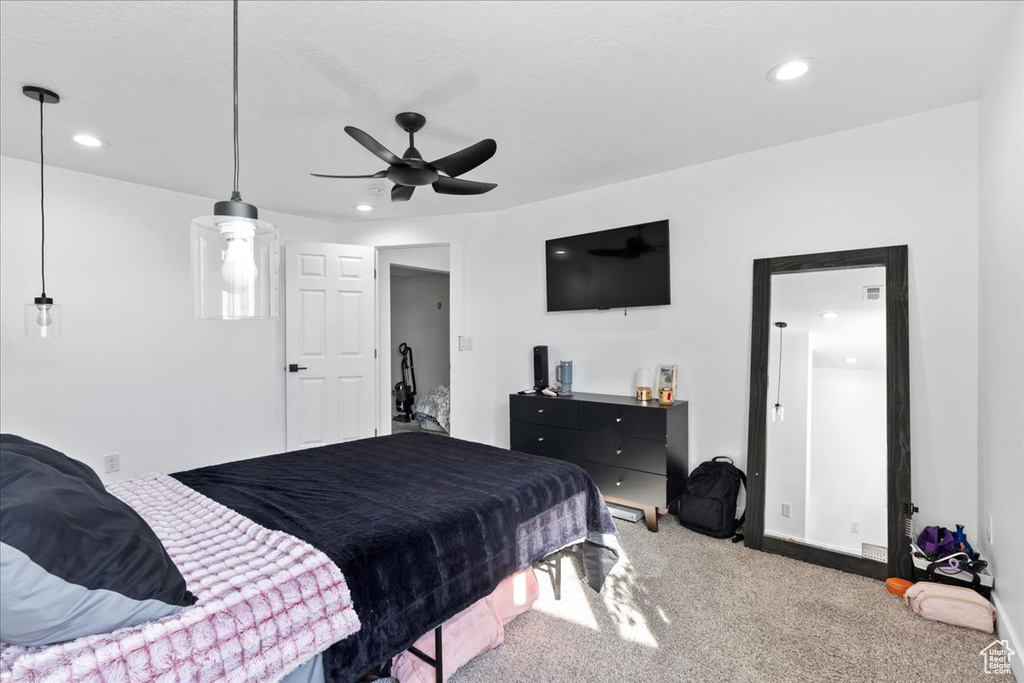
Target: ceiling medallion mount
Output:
[(410, 121), (34, 92)]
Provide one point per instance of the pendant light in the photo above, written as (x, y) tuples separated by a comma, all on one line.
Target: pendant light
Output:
[(234, 254), (778, 411), (43, 318)]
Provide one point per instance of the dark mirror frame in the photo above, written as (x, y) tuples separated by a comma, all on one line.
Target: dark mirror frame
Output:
[(898, 408)]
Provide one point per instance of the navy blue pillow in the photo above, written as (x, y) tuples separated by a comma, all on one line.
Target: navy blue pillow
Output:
[(46, 455), (74, 559)]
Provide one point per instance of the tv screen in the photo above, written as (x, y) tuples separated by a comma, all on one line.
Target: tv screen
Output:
[(620, 268)]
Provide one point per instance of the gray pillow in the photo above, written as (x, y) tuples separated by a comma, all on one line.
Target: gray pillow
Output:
[(74, 559)]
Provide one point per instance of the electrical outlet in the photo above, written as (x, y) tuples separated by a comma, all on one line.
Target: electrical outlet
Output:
[(854, 527), (989, 532), (111, 463), (787, 510), (465, 343)]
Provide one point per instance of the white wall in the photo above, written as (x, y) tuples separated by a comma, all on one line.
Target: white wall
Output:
[(1001, 332), (786, 452), (133, 373), (417, 320), (847, 460)]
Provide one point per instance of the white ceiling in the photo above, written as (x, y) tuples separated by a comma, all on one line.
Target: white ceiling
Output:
[(577, 94), (799, 299)]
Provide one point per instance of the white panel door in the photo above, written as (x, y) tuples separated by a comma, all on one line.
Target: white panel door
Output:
[(330, 323)]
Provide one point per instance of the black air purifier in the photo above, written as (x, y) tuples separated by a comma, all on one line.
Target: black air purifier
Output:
[(540, 367)]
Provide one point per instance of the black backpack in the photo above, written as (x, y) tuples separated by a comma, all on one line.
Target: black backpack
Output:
[(708, 503)]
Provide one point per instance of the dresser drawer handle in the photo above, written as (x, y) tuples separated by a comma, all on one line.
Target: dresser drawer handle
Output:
[(540, 410), (618, 419), (540, 438), (618, 483), (618, 451)]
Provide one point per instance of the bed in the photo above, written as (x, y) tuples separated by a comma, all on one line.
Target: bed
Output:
[(421, 526)]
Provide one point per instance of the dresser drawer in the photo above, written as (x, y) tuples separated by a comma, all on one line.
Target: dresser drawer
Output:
[(543, 411), (554, 442), (639, 421), (638, 487), (624, 451)]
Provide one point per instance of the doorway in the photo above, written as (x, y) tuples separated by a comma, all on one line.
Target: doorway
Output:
[(414, 316)]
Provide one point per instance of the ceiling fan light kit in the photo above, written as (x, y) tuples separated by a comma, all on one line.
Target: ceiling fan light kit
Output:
[(411, 171), (235, 256), (43, 318)]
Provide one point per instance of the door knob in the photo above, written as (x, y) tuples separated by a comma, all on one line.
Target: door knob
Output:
[(618, 483), (295, 367), (540, 410), (618, 419), (540, 438), (618, 451)]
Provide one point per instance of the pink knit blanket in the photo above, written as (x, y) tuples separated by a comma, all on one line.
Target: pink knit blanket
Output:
[(266, 603)]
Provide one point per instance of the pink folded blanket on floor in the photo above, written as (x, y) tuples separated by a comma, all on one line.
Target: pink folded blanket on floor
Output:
[(266, 603), (475, 630)]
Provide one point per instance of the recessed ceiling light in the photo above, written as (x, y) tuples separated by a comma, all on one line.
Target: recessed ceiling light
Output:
[(829, 315), (795, 68), (86, 140), (559, 251), (364, 207), (851, 360)]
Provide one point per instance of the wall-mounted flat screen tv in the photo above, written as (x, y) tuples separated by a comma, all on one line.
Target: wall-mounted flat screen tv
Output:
[(620, 268)]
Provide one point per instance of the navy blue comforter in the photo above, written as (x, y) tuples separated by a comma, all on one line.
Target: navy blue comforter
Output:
[(421, 525)]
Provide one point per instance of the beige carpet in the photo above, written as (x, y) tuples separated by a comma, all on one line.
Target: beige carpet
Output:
[(685, 607)]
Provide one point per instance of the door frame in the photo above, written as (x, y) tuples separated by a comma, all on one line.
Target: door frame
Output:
[(900, 506), (456, 295)]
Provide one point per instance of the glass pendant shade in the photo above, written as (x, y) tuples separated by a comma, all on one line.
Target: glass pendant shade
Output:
[(234, 268), (43, 319)]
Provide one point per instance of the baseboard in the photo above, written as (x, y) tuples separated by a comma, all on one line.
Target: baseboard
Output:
[(1006, 632)]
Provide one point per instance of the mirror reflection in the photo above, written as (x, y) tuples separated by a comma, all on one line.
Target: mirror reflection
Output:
[(826, 424)]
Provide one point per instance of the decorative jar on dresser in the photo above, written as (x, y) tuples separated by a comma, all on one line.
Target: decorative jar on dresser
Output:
[(635, 451)]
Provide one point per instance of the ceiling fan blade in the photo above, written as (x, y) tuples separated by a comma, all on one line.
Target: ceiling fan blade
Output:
[(379, 174), (369, 143), (467, 159), (401, 193), (456, 186)]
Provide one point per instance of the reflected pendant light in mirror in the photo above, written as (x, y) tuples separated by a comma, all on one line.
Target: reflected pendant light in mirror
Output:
[(234, 254), (43, 318), (778, 412)]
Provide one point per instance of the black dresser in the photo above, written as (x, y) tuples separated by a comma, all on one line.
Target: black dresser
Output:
[(636, 452)]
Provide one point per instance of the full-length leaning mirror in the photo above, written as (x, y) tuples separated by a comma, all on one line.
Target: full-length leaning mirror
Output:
[(829, 426)]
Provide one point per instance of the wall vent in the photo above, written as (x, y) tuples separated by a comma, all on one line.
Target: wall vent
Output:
[(878, 553), (873, 293)]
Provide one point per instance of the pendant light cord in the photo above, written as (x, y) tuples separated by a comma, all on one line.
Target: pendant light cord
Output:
[(235, 194), (42, 204)]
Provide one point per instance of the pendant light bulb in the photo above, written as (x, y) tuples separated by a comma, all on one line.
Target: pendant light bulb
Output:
[(239, 270), (44, 318)]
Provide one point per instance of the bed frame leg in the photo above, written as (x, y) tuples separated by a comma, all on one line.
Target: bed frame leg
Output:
[(438, 657), (437, 661), (558, 576)]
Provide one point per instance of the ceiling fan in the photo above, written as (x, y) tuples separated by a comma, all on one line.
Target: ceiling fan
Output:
[(410, 171)]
